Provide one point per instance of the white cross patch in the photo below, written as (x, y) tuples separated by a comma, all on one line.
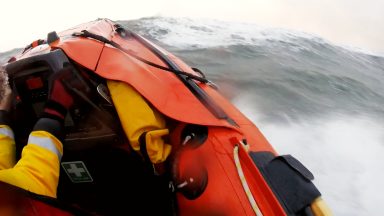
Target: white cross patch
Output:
[(77, 171)]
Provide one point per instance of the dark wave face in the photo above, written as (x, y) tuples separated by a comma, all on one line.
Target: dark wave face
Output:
[(321, 102)]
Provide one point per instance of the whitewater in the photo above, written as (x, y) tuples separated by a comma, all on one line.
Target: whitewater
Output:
[(319, 101)]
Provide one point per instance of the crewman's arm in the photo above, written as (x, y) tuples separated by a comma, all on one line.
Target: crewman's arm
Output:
[(140, 122), (39, 167)]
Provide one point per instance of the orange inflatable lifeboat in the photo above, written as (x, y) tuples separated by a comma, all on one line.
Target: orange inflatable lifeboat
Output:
[(220, 164)]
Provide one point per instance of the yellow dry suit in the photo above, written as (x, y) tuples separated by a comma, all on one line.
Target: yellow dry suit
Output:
[(39, 166), (142, 124)]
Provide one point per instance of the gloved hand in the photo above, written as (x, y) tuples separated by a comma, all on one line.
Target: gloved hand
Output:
[(59, 98), (59, 101)]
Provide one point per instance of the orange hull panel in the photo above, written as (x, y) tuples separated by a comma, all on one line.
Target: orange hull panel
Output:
[(224, 194)]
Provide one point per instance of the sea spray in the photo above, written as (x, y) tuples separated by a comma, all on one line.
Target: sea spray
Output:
[(344, 152)]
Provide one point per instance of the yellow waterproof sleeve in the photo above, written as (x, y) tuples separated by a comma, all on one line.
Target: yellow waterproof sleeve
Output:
[(39, 167), (7, 148), (137, 117)]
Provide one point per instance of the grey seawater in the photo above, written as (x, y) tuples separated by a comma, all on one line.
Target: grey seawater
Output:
[(5, 56), (320, 102)]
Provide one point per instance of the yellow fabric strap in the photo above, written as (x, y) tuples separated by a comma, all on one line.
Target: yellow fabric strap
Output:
[(7, 148), (136, 117), (320, 208), (156, 149), (39, 167)]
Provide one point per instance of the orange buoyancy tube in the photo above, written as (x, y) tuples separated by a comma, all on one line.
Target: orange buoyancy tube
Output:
[(162, 89), (223, 193), (170, 96)]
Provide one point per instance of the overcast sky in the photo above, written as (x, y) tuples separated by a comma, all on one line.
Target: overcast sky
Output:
[(354, 23)]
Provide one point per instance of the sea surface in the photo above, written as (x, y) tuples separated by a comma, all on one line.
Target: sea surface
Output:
[(319, 101)]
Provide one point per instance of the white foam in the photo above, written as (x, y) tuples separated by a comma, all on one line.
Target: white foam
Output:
[(345, 153), (197, 33), (187, 33)]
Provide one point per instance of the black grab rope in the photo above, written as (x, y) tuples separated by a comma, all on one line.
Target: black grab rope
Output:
[(100, 38)]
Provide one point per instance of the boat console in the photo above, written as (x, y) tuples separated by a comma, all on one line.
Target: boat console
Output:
[(98, 162)]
